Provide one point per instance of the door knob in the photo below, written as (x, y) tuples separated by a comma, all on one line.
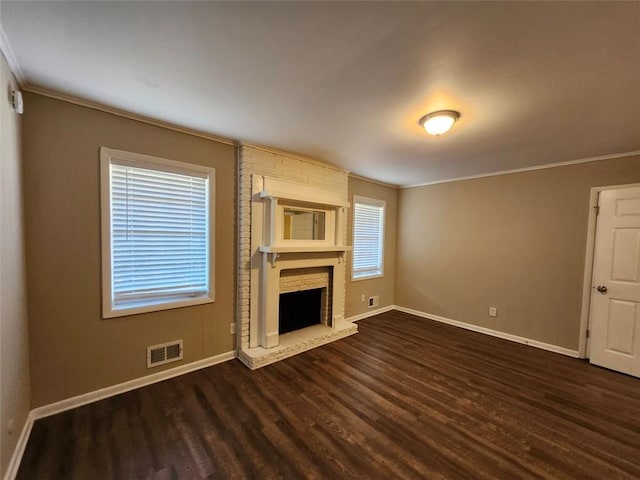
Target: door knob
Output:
[(601, 289)]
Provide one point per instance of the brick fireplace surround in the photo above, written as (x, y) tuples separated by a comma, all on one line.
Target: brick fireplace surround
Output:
[(267, 266)]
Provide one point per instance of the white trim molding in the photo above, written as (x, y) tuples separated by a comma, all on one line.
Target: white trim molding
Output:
[(583, 348), (363, 218), (284, 190), (371, 313), (18, 452), (176, 294), (7, 51), (494, 333), (371, 180), (45, 92), (527, 169), (101, 394)]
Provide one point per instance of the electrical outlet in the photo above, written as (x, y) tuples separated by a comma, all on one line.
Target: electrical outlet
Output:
[(232, 328), (373, 301), (493, 312), (362, 298)]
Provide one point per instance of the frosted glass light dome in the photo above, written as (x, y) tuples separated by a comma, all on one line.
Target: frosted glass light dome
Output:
[(437, 123)]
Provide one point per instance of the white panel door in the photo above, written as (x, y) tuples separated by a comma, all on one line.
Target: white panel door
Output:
[(615, 299)]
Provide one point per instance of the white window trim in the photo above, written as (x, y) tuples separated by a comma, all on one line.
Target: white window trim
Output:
[(377, 203), (109, 156)]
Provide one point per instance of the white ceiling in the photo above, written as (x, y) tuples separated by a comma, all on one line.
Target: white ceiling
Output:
[(536, 83)]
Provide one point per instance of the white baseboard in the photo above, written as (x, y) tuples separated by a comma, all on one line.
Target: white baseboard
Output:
[(370, 313), (493, 333), (107, 392), (90, 397), (16, 458)]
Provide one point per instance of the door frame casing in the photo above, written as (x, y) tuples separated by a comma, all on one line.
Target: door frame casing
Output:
[(585, 311)]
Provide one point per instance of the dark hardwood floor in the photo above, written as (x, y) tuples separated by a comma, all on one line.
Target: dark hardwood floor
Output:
[(405, 398)]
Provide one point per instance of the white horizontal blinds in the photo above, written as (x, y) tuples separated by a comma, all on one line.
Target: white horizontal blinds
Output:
[(159, 234), (367, 239)]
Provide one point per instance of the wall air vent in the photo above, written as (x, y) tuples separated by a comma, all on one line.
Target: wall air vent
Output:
[(164, 353)]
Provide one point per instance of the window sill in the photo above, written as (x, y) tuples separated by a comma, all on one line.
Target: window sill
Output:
[(367, 277), (155, 307)]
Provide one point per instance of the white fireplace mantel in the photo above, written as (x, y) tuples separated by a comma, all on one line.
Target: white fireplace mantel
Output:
[(272, 257), (274, 253), (273, 195), (293, 191), (304, 249)]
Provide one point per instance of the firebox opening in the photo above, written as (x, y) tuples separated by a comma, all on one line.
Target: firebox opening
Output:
[(300, 310)]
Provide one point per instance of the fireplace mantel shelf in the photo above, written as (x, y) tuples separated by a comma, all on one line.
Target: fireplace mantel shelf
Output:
[(305, 249), (275, 252)]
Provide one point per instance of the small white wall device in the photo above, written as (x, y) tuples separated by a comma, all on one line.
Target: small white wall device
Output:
[(16, 100)]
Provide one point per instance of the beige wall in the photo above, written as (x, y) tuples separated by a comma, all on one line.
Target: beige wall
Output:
[(516, 242), (73, 350), (14, 348), (384, 286)]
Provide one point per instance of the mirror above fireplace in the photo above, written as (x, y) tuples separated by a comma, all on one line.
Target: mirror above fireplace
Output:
[(303, 224)]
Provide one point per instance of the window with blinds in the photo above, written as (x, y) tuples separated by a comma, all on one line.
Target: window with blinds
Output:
[(368, 237), (156, 231)]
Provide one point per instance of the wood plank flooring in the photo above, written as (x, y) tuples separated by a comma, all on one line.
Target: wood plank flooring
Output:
[(405, 398)]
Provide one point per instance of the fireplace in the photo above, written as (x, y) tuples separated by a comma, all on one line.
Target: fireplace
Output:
[(292, 235), (305, 298), (300, 310)]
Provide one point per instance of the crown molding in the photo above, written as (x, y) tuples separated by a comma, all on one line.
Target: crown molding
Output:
[(528, 169), (7, 51), (45, 92), (377, 182)]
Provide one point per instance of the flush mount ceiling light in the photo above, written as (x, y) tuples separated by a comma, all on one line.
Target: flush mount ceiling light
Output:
[(437, 123)]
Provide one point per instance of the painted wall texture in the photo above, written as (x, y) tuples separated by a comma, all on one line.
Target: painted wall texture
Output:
[(516, 242), (383, 287), (15, 401), (74, 350)]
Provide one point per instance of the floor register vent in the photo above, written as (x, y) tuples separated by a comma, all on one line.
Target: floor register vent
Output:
[(164, 353)]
